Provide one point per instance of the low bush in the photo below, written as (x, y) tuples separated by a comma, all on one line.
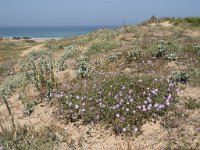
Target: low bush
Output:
[(134, 55), (180, 76), (122, 103), (114, 57)]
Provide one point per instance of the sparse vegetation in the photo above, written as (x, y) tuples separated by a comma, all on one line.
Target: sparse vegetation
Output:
[(119, 79)]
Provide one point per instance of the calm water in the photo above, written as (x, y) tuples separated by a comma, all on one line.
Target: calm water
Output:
[(47, 32)]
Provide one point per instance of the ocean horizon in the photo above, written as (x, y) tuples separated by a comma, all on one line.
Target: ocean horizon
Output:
[(48, 32)]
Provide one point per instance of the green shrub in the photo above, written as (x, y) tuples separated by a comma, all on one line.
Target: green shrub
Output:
[(122, 103), (114, 57), (28, 107), (83, 69), (161, 49), (134, 55), (27, 138), (180, 76), (40, 73), (171, 57), (11, 83)]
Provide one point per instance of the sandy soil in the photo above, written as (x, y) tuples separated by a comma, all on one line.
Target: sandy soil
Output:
[(33, 48)]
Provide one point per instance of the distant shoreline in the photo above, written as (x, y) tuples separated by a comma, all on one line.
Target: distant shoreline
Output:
[(32, 38), (48, 32)]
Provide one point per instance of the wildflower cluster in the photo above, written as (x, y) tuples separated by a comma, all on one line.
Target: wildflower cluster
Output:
[(123, 103)]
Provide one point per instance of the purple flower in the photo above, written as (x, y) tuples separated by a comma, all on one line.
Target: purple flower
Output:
[(169, 96), (139, 107), (198, 128), (1, 148), (156, 105), (144, 109), (177, 90), (131, 100), (154, 91), (77, 97), (127, 109), (167, 102), (160, 107), (149, 106), (149, 99), (117, 105), (145, 102), (136, 129)]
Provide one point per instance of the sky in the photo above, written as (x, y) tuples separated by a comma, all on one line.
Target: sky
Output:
[(91, 12)]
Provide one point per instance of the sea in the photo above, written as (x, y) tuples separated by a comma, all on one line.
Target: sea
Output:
[(48, 32)]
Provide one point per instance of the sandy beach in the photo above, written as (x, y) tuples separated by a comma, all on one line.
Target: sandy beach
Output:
[(44, 39)]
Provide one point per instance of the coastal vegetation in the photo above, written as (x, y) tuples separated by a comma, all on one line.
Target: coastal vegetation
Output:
[(137, 85)]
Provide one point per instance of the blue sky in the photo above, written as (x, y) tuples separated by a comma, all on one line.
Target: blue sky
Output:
[(90, 12)]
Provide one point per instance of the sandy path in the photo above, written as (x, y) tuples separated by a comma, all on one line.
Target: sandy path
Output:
[(33, 48)]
